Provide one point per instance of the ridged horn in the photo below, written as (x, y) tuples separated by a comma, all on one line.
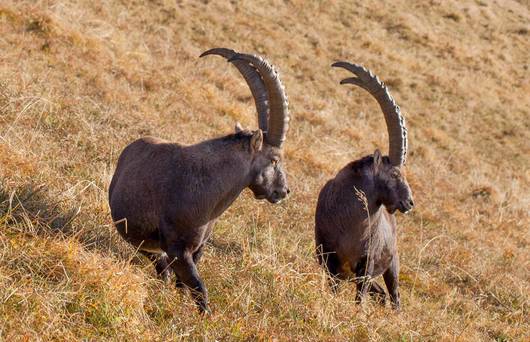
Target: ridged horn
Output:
[(395, 122), (254, 82), (278, 104)]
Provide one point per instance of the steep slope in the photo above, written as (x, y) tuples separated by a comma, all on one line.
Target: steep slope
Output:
[(80, 79)]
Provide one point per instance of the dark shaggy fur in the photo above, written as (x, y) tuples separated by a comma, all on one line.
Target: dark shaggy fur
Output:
[(165, 197), (355, 227)]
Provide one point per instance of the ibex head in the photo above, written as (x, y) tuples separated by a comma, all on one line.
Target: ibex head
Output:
[(391, 184), (269, 179)]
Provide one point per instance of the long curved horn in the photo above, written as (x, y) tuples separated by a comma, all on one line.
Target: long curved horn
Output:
[(254, 82), (278, 104), (395, 122)]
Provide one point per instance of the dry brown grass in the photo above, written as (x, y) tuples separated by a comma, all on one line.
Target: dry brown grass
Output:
[(79, 80)]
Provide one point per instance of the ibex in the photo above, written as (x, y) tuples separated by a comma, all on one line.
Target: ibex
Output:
[(355, 227), (165, 197)]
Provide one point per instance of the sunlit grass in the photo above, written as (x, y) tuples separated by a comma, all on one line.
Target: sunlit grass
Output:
[(80, 79)]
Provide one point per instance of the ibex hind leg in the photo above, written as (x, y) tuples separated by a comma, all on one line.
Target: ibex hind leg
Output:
[(161, 262), (332, 263), (377, 293), (366, 285)]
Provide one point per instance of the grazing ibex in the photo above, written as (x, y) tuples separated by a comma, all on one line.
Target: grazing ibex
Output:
[(355, 227), (165, 197)]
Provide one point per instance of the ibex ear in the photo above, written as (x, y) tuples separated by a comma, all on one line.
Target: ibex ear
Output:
[(256, 141), (378, 160), (238, 127)]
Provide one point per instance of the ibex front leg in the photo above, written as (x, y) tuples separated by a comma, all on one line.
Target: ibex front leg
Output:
[(391, 281), (365, 284), (187, 273)]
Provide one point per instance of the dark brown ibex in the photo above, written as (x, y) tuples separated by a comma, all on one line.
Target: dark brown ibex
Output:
[(165, 197), (355, 227)]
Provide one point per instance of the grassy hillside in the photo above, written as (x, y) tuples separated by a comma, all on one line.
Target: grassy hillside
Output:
[(80, 79)]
